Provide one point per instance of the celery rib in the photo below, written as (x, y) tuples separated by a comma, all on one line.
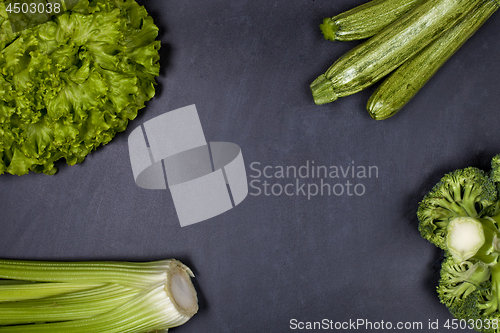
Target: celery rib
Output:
[(148, 311), (129, 274), (19, 292), (71, 306)]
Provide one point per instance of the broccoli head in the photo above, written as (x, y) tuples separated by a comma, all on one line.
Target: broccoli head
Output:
[(461, 215), (462, 193)]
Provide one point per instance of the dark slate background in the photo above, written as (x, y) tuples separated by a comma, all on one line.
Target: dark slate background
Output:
[(247, 66)]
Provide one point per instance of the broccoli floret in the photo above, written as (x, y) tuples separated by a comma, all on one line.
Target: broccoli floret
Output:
[(458, 281), (462, 193), (470, 292), (468, 310)]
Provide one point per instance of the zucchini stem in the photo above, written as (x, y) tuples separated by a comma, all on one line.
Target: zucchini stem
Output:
[(323, 90)]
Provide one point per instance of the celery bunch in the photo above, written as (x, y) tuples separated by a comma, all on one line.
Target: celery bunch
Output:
[(104, 297)]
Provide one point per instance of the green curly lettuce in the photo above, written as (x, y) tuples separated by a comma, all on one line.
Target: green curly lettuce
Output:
[(70, 84)]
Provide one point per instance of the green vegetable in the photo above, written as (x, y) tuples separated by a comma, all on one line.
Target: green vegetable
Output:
[(104, 297), (365, 20), (19, 292), (369, 62), (70, 84), (461, 215), (397, 90), (463, 193), (66, 306)]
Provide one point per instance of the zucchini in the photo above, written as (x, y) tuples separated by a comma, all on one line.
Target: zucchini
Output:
[(365, 20), (371, 61), (406, 81)]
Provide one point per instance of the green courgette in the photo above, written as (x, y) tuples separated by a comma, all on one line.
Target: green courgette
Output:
[(371, 61), (365, 20), (396, 90)]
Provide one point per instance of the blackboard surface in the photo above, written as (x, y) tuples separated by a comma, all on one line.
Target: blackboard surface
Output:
[(273, 259)]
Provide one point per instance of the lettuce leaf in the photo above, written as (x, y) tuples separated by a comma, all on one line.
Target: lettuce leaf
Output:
[(69, 85)]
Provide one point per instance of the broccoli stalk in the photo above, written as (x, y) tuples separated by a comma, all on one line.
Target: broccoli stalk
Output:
[(465, 236), (468, 237), (491, 303)]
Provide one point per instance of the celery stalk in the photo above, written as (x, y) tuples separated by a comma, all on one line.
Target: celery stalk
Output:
[(126, 273), (125, 297)]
